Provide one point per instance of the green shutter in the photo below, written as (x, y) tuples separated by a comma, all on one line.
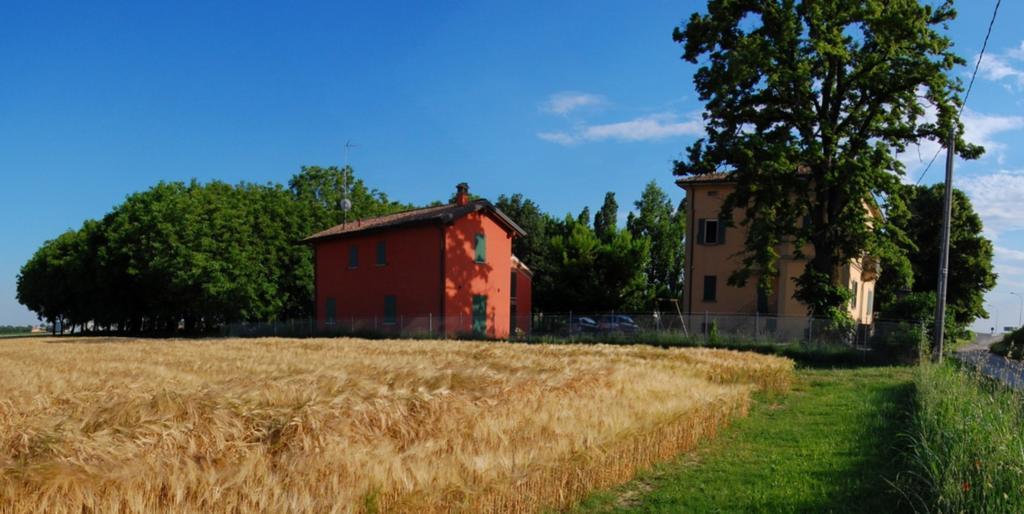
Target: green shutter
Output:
[(480, 315), (382, 255), (700, 231), (721, 232), (390, 309), (481, 248)]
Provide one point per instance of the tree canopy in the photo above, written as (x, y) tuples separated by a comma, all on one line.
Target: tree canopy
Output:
[(807, 104), (197, 255), (193, 256), (906, 288)]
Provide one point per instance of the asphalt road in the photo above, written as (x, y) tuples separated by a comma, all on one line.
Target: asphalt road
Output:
[(977, 356)]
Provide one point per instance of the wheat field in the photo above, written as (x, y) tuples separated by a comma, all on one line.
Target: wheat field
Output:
[(346, 425)]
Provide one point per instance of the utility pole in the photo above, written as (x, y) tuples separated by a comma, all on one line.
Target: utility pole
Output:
[(346, 204), (947, 211)]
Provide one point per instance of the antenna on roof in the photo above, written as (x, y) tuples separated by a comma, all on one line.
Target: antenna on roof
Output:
[(345, 204)]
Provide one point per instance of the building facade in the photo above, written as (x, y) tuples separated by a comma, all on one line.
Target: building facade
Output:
[(714, 252), (448, 269)]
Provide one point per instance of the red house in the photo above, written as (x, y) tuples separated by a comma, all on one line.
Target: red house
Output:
[(445, 270)]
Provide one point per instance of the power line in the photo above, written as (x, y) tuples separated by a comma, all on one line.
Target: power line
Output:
[(970, 85)]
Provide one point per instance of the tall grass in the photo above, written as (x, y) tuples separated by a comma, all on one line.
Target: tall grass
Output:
[(966, 451), (350, 425)]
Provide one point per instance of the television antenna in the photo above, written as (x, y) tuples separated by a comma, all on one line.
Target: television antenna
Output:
[(345, 203)]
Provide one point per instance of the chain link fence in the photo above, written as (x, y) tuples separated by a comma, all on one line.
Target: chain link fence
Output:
[(651, 328)]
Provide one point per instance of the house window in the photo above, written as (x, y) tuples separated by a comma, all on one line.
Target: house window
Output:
[(710, 287), (382, 253), (854, 289), (480, 246), (762, 300), (390, 309), (330, 311), (353, 257), (513, 287), (710, 232), (871, 303)]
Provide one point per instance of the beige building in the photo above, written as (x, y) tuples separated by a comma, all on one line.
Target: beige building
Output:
[(713, 252)]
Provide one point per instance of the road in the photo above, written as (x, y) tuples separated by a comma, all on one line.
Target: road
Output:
[(977, 356)]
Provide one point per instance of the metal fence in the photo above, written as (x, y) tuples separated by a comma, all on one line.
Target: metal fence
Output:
[(620, 327)]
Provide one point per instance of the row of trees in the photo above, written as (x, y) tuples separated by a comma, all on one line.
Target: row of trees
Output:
[(194, 256), (595, 265)]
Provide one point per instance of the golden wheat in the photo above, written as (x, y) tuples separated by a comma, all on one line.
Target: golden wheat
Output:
[(345, 425)]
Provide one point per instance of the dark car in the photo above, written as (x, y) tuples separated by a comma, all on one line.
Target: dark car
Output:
[(617, 323), (582, 324)]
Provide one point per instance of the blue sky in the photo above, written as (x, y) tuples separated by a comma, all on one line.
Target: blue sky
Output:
[(561, 101)]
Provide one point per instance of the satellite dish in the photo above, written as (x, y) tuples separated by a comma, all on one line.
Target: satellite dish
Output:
[(346, 204)]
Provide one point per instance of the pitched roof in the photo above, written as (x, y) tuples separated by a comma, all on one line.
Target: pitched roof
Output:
[(704, 177), (436, 214)]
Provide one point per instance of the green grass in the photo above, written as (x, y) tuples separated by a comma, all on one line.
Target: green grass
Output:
[(830, 445), (967, 444)]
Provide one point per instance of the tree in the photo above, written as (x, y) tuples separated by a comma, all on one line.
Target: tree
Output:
[(806, 104), (659, 222), (591, 276), (906, 288), (584, 217), (606, 219)]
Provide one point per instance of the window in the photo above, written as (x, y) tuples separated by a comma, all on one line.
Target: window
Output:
[(871, 303), (382, 253), (330, 311), (390, 309), (513, 285), (353, 257), (710, 286), (762, 300), (853, 289), (480, 245), (710, 232)]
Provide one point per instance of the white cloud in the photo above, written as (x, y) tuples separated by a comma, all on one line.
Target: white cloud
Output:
[(979, 128), (997, 199), (646, 128), (994, 67), (568, 101), (557, 137), (1009, 254)]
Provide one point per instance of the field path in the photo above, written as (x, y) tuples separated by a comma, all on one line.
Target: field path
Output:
[(829, 446)]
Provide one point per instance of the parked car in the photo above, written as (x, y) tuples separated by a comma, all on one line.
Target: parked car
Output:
[(583, 324), (617, 323)]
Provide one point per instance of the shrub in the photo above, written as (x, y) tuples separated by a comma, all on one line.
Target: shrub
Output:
[(1012, 345), (965, 444)]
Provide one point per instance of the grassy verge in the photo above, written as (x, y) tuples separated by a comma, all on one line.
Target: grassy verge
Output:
[(831, 445), (967, 444)]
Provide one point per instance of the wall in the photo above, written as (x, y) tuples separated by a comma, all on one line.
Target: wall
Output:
[(412, 274), (465, 278), (719, 260)]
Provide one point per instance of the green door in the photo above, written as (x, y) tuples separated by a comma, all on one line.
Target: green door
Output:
[(331, 312), (480, 315)]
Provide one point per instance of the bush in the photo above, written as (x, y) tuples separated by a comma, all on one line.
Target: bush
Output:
[(904, 343), (965, 444), (1012, 345)]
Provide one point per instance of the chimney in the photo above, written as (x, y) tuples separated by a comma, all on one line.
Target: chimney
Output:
[(462, 194)]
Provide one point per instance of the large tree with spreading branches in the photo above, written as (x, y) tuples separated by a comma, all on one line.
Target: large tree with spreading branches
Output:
[(807, 105)]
